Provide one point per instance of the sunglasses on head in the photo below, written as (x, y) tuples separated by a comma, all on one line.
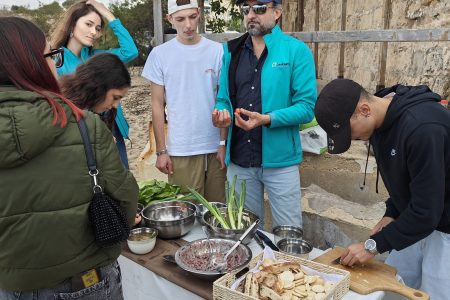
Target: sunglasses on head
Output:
[(258, 9), (57, 55)]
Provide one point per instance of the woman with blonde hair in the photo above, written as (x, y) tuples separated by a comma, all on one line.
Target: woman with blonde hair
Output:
[(49, 250), (80, 26)]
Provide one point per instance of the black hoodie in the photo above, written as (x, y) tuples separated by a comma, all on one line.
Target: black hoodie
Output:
[(412, 150)]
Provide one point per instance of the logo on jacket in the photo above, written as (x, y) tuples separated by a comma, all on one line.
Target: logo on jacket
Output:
[(280, 65), (336, 126), (393, 152), (330, 144), (212, 71)]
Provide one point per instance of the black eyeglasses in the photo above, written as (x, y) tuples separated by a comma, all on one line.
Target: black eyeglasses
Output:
[(57, 55), (258, 9)]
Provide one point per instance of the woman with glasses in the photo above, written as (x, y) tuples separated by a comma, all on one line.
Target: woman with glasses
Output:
[(48, 248), (79, 28)]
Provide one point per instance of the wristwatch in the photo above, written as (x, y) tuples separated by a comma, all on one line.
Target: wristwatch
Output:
[(371, 246), (222, 142), (163, 151)]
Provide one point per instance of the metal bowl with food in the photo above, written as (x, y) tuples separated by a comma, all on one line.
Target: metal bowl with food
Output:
[(201, 210), (173, 219), (297, 247), (215, 230), (195, 256)]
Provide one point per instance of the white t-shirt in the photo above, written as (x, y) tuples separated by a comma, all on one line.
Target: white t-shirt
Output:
[(190, 76)]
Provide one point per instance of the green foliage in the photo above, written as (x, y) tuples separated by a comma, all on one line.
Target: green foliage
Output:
[(44, 16), (216, 23), (137, 17), (236, 20), (66, 4), (18, 9)]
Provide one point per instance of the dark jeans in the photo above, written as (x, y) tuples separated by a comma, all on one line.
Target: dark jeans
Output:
[(109, 288), (120, 143)]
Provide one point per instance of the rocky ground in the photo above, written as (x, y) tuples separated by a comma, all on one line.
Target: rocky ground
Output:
[(137, 108)]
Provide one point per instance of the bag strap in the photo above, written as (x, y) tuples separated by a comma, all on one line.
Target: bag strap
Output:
[(87, 145), (92, 165)]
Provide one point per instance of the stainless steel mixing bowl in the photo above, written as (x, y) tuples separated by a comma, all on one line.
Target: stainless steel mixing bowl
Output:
[(173, 219), (287, 232), (297, 247)]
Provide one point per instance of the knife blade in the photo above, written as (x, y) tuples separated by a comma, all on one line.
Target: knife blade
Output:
[(267, 241), (336, 261), (259, 241)]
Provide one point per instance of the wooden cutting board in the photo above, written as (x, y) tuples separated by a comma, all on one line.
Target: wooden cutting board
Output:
[(154, 262), (372, 276)]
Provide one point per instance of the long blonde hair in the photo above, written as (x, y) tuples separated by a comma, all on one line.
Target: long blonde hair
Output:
[(63, 28)]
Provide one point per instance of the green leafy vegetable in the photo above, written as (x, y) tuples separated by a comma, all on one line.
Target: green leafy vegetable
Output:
[(155, 190)]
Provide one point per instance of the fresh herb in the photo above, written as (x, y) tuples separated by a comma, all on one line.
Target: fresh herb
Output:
[(153, 191)]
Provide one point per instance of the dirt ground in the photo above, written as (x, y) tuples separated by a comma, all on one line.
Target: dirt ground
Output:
[(137, 108)]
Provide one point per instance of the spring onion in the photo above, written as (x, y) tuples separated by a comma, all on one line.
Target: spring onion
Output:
[(211, 207)]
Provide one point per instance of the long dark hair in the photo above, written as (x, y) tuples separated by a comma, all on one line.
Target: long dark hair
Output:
[(61, 33), (88, 85), (23, 65)]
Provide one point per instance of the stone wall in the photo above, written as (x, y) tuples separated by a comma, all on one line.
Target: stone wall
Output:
[(407, 63)]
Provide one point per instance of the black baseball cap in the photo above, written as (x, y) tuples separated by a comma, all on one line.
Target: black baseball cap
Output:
[(334, 107)]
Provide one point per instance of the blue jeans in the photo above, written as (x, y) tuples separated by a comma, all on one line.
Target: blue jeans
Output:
[(109, 288), (283, 187), (425, 265)]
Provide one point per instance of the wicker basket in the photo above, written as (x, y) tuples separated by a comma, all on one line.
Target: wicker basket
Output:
[(222, 290)]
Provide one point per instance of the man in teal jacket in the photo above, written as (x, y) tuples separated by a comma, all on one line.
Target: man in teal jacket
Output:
[(268, 80)]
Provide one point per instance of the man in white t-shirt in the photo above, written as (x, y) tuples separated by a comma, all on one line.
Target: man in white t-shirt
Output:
[(185, 72)]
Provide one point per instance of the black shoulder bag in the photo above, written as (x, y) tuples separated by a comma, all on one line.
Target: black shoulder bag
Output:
[(108, 220)]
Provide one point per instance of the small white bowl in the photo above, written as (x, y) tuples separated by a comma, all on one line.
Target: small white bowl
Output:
[(142, 240)]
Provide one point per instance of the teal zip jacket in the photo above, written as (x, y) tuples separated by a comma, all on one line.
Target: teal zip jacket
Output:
[(288, 95), (126, 52)]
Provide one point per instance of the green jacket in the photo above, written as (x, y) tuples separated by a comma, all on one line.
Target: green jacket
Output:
[(45, 190), (288, 95)]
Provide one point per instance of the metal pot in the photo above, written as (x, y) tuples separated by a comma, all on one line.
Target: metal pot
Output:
[(173, 219)]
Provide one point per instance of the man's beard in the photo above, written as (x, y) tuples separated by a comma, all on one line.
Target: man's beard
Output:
[(258, 29)]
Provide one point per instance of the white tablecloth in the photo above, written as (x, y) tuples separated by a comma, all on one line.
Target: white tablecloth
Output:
[(139, 283)]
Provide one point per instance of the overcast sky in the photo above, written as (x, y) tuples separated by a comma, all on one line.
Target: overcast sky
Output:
[(35, 3)]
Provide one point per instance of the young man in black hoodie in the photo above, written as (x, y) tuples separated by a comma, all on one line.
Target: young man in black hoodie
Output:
[(410, 134)]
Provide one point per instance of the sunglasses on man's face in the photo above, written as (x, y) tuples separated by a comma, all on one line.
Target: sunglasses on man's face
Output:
[(57, 55), (258, 9)]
